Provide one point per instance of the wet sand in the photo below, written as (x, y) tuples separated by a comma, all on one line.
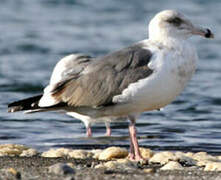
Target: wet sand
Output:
[(38, 168)]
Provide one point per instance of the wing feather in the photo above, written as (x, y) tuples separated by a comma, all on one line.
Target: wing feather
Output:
[(105, 78)]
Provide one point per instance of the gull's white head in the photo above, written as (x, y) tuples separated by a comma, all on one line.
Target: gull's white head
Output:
[(172, 24)]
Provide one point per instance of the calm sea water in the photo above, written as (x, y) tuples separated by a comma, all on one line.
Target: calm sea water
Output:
[(34, 35)]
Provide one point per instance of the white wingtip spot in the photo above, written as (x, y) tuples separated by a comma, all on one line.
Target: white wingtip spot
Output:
[(47, 100)]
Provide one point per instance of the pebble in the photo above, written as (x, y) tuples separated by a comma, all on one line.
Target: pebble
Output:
[(113, 153), (117, 158), (71, 165), (172, 165), (189, 154), (146, 153), (61, 169), (163, 157), (69, 178), (99, 166), (15, 173), (64, 152), (13, 146), (124, 164), (111, 165), (125, 161), (203, 158), (218, 157), (16, 150), (80, 154), (29, 153), (213, 166), (148, 170), (184, 159), (60, 152), (96, 153)]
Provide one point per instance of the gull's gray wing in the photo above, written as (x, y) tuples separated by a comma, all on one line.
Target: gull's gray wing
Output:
[(70, 65), (105, 78)]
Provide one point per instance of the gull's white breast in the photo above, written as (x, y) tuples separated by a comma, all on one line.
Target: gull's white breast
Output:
[(172, 69)]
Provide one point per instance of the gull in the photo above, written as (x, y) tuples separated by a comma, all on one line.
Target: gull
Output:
[(145, 76)]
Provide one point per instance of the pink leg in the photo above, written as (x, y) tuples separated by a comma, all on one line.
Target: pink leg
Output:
[(108, 131), (131, 154), (134, 143), (89, 132)]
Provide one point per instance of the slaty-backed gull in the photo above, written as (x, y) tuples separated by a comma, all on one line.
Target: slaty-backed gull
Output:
[(145, 76)]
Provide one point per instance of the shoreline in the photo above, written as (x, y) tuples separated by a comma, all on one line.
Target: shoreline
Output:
[(38, 168), (21, 162)]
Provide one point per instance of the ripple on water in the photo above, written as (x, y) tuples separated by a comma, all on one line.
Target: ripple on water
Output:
[(31, 48), (21, 87)]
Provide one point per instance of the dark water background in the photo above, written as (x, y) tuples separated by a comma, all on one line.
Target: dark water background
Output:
[(35, 34)]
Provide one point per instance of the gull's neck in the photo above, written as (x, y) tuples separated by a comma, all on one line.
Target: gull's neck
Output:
[(170, 42)]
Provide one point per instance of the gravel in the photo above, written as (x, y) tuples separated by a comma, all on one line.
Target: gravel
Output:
[(39, 168)]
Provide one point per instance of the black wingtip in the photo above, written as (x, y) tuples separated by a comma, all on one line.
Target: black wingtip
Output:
[(14, 109), (24, 104)]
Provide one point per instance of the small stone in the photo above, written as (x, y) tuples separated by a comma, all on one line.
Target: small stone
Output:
[(148, 170), (126, 164), (69, 178), (29, 153), (15, 173), (172, 165), (80, 154), (71, 165), (10, 152), (14, 146), (125, 161), (179, 154), (189, 154), (111, 164), (108, 165), (99, 166), (12, 170), (202, 156), (12, 149), (96, 153), (64, 152), (202, 163), (213, 166), (112, 153), (163, 157), (146, 153), (185, 160), (60, 152), (60, 169)]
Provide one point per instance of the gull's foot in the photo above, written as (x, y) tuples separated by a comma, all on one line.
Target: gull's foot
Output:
[(131, 156), (137, 158)]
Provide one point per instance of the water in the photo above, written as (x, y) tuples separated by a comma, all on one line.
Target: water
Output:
[(36, 34)]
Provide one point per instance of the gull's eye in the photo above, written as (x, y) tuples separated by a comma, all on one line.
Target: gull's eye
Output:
[(176, 21)]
